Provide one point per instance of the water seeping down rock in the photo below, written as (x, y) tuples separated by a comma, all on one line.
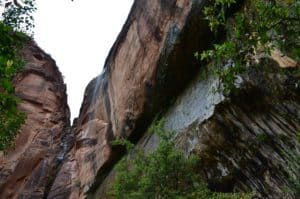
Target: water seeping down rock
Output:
[(245, 142)]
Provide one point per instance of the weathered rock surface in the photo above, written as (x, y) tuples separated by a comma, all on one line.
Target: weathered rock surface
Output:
[(249, 142), (28, 169), (151, 61), (244, 143)]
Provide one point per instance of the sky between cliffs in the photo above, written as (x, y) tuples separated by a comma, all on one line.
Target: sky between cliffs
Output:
[(78, 35)]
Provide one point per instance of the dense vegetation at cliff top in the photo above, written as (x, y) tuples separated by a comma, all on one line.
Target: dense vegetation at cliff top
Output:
[(16, 25)]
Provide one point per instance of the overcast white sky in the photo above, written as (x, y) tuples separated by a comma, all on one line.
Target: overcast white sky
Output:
[(78, 35)]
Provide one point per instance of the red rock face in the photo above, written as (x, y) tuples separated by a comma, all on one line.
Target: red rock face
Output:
[(149, 63), (28, 168)]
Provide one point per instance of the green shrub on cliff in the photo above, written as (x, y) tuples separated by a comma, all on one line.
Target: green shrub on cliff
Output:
[(163, 173), (258, 28), (10, 63), (15, 19)]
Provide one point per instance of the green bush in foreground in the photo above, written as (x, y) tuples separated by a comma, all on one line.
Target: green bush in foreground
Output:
[(164, 173)]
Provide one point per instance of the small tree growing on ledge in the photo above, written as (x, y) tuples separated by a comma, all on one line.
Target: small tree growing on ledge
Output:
[(164, 173)]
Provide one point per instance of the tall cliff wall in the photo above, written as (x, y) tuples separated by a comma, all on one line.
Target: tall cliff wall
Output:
[(245, 142), (149, 65), (27, 169), (151, 61)]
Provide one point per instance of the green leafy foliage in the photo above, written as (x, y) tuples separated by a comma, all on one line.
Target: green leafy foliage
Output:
[(10, 63), (163, 173), (215, 13), (10, 120), (17, 20), (256, 30), (122, 142), (20, 17)]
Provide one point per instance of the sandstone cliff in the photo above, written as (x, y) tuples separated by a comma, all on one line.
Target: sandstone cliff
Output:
[(149, 65), (245, 142), (150, 62), (27, 169)]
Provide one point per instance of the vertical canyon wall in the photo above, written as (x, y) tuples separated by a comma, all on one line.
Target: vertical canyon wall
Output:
[(245, 142), (28, 168), (151, 61)]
